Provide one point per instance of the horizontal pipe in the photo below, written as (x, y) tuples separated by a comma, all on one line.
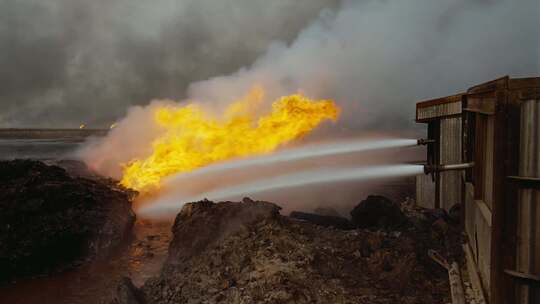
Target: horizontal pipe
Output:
[(425, 141), (439, 168)]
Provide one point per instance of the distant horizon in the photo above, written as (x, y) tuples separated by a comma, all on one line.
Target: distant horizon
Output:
[(53, 129), (49, 133)]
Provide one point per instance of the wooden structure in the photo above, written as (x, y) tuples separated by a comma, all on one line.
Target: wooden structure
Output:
[(443, 117), (496, 125)]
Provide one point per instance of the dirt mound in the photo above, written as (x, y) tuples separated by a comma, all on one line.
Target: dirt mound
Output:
[(50, 219), (378, 212), (202, 224), (326, 211), (247, 253), (323, 220)]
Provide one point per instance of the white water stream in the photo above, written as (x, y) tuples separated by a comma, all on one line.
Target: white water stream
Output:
[(170, 204), (296, 154)]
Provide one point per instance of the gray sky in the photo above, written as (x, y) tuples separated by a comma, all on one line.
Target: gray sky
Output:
[(63, 62)]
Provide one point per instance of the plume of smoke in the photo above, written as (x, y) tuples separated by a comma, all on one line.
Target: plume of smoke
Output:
[(375, 58), (128, 140), (64, 62)]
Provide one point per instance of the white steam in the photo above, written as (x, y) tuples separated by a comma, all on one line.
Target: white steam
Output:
[(376, 58)]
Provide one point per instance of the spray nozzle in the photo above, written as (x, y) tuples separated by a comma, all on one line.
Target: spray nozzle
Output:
[(425, 141), (429, 169)]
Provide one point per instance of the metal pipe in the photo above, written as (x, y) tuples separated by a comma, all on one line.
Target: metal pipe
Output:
[(425, 141), (428, 169)]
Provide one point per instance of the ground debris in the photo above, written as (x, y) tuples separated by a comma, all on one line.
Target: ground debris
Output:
[(127, 293), (248, 253), (50, 219), (378, 212), (323, 220)]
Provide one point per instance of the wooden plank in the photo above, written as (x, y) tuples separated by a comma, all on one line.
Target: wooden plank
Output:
[(450, 153), (530, 94), (528, 220), (525, 278), (490, 164), (509, 193), (436, 118), (439, 111), (484, 210), (482, 238), (438, 258), (456, 286), (454, 277), (479, 155), (503, 217), (490, 86), (523, 83), (525, 182), (496, 277), (475, 110), (470, 216), (484, 105), (479, 293), (439, 101)]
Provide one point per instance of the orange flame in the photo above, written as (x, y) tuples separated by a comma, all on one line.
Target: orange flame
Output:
[(193, 139)]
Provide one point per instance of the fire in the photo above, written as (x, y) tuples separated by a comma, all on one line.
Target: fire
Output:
[(82, 126), (193, 138)]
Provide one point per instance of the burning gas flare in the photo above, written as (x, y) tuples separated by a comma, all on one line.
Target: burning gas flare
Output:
[(193, 138)]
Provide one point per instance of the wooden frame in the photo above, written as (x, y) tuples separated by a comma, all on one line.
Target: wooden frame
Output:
[(499, 100)]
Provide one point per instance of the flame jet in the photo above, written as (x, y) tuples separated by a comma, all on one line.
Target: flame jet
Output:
[(193, 138)]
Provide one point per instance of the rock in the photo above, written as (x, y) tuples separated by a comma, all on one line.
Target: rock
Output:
[(127, 293), (435, 214), (454, 214), (439, 228), (326, 211), (201, 224), (378, 212), (50, 219), (322, 220)]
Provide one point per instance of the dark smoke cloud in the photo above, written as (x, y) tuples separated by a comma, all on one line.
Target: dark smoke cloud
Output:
[(63, 62)]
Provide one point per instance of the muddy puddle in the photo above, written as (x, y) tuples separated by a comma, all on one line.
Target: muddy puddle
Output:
[(140, 258)]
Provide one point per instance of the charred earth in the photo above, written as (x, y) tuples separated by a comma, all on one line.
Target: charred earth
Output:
[(246, 252), (52, 218)]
